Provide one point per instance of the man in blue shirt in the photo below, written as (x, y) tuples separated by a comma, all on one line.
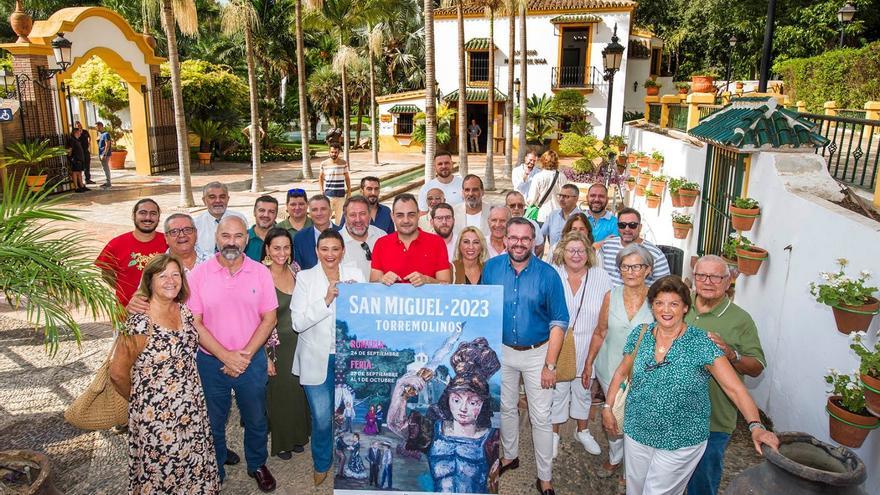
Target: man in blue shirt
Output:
[(380, 215), (604, 224), (552, 228), (535, 319), (105, 146)]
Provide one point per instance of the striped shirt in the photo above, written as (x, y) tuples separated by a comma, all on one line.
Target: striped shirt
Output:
[(334, 177), (597, 285), (608, 255)]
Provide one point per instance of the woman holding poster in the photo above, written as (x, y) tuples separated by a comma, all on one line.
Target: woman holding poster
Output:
[(456, 434)]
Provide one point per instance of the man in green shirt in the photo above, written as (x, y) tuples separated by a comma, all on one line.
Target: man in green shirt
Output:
[(265, 213), (735, 333), (297, 212)]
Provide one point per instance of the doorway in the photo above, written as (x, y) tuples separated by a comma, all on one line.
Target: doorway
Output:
[(478, 112)]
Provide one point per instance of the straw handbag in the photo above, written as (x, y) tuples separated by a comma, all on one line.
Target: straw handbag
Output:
[(620, 399), (566, 363), (100, 407)]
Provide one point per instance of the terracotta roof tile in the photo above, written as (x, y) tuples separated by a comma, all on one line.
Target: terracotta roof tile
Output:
[(550, 5)]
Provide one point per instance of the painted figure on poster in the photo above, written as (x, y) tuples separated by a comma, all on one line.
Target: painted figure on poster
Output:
[(370, 427), (374, 459), (387, 467), (354, 468)]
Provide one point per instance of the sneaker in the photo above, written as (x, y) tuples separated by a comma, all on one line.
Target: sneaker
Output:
[(555, 444), (90, 181), (588, 442), (105, 186)]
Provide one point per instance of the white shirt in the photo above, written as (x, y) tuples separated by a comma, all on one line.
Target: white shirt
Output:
[(519, 183), (425, 223), (540, 183), (206, 228), (492, 252), (597, 284), (464, 219), (355, 255), (450, 246), (451, 191)]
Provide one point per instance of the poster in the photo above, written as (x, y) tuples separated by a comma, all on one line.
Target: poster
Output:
[(418, 389)]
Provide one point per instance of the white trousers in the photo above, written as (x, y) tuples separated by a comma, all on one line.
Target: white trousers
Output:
[(615, 444), (651, 471), (570, 399), (527, 364)]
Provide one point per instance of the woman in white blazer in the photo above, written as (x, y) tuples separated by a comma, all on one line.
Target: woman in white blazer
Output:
[(313, 307)]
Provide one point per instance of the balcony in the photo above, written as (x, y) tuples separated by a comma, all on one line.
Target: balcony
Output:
[(575, 77)]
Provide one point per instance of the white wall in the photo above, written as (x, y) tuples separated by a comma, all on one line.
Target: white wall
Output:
[(387, 128), (97, 31)]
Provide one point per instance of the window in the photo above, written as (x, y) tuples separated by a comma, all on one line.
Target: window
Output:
[(656, 61), (478, 67), (404, 126)]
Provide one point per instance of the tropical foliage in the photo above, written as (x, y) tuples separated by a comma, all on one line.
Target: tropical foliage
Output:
[(96, 82)]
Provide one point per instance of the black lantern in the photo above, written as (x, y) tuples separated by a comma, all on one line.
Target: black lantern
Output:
[(845, 16), (516, 86), (61, 50), (612, 56), (732, 42)]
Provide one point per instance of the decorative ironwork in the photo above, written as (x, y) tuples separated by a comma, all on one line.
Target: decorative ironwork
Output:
[(654, 117), (575, 77), (162, 133), (853, 153), (678, 117), (722, 181)]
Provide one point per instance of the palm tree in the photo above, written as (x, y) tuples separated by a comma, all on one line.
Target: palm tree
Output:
[(323, 91), (430, 92), (301, 84), (374, 49), (240, 16), (523, 83), (491, 6), (462, 89), (511, 6)]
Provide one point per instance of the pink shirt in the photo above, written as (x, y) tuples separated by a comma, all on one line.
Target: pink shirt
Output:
[(231, 305)]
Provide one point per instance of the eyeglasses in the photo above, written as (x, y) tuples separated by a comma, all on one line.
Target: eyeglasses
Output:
[(633, 268), (520, 240), (564, 196), (576, 252), (443, 218), (627, 225), (177, 232), (715, 279), (367, 251), (651, 367)]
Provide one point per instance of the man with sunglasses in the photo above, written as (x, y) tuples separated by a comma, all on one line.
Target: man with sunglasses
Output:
[(735, 333), (297, 212), (360, 237), (568, 199), (630, 226)]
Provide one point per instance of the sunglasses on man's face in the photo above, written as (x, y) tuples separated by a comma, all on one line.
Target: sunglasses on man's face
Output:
[(628, 225)]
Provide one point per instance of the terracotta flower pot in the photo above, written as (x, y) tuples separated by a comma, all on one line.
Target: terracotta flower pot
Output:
[(630, 185), (643, 161), (652, 201), (631, 159), (749, 260), (117, 159), (675, 198), (847, 434), (657, 187), (872, 394), (855, 318), (634, 171), (703, 84), (654, 165), (681, 230), (640, 190), (743, 219), (652, 90), (683, 91), (643, 180), (688, 196), (36, 182), (204, 158)]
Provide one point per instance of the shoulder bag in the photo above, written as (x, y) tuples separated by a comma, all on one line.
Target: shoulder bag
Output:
[(566, 363), (100, 406), (532, 211), (620, 399)]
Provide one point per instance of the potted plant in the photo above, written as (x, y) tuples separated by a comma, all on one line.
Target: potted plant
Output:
[(634, 169), (619, 141), (689, 192), (640, 190), (652, 87), (852, 301), (207, 131), (652, 200), (748, 256), (869, 371), (658, 183), (704, 81), (740, 85), (655, 161), (743, 212), (728, 249), (675, 184), (30, 155), (644, 178), (630, 183), (682, 87), (849, 422), (641, 158), (682, 224)]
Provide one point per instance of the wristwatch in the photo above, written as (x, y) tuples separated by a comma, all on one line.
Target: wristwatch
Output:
[(736, 356), (549, 366)]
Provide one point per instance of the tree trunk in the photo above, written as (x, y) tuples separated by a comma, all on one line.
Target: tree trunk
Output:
[(462, 90), (360, 118), (346, 125), (374, 139), (301, 83), (430, 92), (490, 111), (168, 22), (508, 105), (256, 179), (523, 84)]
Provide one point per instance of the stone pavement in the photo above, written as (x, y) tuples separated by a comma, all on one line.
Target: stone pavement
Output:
[(36, 388)]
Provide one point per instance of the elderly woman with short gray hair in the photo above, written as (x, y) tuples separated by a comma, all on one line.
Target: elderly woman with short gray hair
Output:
[(624, 308)]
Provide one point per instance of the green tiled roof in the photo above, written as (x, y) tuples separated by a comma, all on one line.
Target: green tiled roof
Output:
[(475, 95), (478, 44), (752, 124), (566, 18), (404, 109)]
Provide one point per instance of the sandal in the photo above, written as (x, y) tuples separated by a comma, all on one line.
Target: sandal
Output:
[(608, 470)]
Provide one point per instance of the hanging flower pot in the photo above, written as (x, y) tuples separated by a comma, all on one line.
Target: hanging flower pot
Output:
[(681, 230), (643, 161), (848, 428), (855, 318), (749, 259), (654, 165), (743, 212), (630, 183), (644, 179), (851, 298), (657, 186), (652, 200), (640, 190), (675, 198), (631, 158), (872, 393), (688, 196), (634, 171)]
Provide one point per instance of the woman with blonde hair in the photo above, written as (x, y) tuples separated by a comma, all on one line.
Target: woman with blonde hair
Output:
[(471, 253), (546, 185), (585, 283)]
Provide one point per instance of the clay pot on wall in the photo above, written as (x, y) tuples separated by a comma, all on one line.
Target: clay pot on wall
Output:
[(644, 179), (675, 198), (654, 165), (657, 187), (640, 190), (855, 318), (688, 196), (681, 230), (21, 23), (749, 259), (872, 394), (743, 219), (703, 84), (853, 432), (634, 171), (652, 201)]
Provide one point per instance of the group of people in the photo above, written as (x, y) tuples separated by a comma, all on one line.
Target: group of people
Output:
[(79, 156), (228, 306)]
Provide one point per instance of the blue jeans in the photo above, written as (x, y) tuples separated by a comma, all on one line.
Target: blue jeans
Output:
[(707, 476), (250, 396), (320, 398)]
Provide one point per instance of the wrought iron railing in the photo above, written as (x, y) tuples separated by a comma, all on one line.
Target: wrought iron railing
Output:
[(707, 110), (654, 117), (575, 77), (853, 151), (163, 149), (478, 69), (678, 117), (722, 181), (403, 128)]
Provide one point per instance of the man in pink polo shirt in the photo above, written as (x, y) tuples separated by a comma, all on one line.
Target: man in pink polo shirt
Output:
[(233, 301)]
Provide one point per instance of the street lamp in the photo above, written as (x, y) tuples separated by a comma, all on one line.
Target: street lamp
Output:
[(612, 57), (845, 16), (61, 50), (516, 86), (732, 42)]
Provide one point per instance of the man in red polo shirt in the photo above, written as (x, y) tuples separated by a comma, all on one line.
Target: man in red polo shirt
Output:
[(409, 254)]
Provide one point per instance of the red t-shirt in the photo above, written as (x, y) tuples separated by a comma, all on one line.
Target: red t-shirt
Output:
[(426, 254), (126, 256)]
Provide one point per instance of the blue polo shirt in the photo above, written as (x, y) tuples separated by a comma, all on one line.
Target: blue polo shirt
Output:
[(555, 222), (605, 226), (383, 219), (534, 299)]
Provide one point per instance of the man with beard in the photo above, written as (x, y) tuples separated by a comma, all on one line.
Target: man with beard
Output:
[(442, 224), (306, 239), (233, 302), (602, 221), (215, 195), (516, 203), (522, 174), (265, 213), (380, 215), (297, 212), (534, 322), (567, 198), (630, 225), (360, 237), (123, 259), (435, 197), (444, 180), (335, 181), (471, 212), (409, 254), (498, 217)]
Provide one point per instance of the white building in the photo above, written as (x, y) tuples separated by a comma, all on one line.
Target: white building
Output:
[(564, 38)]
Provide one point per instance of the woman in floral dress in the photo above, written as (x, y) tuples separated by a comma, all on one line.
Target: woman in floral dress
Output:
[(169, 444)]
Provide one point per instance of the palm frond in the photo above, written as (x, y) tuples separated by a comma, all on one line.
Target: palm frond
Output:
[(237, 16)]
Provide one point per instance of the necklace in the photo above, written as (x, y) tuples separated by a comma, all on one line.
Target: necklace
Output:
[(663, 349)]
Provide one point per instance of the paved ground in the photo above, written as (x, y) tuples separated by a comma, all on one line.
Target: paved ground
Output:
[(35, 388)]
